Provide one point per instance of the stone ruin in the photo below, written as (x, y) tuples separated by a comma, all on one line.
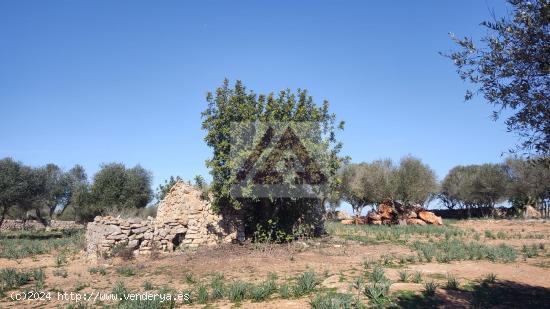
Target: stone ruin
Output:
[(391, 212), (184, 220)]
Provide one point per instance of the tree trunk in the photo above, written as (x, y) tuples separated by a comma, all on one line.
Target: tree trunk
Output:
[(4, 212)]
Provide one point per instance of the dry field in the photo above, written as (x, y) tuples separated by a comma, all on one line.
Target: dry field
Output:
[(463, 264)]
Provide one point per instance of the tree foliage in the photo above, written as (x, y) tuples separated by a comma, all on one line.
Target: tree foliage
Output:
[(163, 189), (16, 186), (369, 184), (234, 105), (42, 193), (416, 182), (365, 184), (115, 186), (478, 187), (510, 67), (529, 184)]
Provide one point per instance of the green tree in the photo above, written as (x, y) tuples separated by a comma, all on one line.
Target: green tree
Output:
[(115, 187), (235, 105), (529, 184), (510, 67), (14, 185), (354, 190), (416, 182), (57, 193), (478, 187), (368, 184)]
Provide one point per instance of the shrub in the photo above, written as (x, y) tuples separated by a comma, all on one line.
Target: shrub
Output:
[(305, 283), (333, 300), (429, 288), (79, 286), (218, 286), (11, 278), (60, 259), (98, 270), (126, 271), (190, 279), (490, 278), (263, 290), (147, 285), (489, 234), (237, 291), (377, 274), (284, 290), (403, 276), (120, 290), (39, 277), (452, 283), (378, 292), (359, 283), (202, 294), (417, 277)]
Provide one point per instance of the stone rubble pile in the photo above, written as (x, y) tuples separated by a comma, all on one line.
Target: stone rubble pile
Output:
[(389, 213), (183, 220)]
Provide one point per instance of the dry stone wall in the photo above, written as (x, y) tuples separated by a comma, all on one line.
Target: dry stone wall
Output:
[(183, 220)]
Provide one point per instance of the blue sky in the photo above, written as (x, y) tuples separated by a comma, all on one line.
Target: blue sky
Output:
[(100, 81)]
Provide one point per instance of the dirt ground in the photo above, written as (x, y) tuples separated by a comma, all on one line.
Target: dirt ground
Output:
[(337, 261)]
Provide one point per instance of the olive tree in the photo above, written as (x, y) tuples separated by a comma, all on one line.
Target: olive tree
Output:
[(415, 182), (529, 184), (478, 187), (510, 67), (15, 186), (116, 187), (367, 184)]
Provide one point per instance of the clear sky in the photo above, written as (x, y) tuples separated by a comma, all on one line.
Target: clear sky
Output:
[(100, 81)]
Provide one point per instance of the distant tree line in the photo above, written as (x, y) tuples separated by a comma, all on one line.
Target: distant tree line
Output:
[(369, 184), (48, 192), (475, 189), (480, 187)]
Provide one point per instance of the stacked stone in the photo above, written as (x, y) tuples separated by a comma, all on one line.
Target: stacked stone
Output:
[(183, 219)]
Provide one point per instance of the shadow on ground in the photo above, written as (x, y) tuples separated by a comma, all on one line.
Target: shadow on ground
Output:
[(500, 294)]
